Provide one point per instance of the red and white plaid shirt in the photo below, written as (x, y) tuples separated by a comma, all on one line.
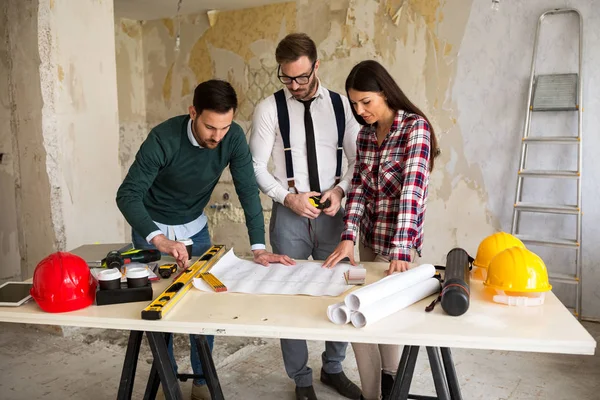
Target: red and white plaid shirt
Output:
[(389, 188)]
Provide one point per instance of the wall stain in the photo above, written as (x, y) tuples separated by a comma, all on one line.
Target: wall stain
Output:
[(131, 28), (186, 86), (236, 31), (166, 89), (75, 89), (170, 25), (61, 73)]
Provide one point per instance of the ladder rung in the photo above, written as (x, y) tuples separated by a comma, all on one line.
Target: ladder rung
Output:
[(548, 208), (551, 242), (552, 139), (564, 278), (549, 174)]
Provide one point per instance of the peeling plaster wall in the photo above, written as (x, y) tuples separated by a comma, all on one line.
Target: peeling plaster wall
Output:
[(131, 90), (10, 267), (133, 128), (80, 119), (26, 221)]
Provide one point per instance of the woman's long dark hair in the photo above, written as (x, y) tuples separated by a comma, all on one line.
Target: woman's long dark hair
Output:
[(370, 76)]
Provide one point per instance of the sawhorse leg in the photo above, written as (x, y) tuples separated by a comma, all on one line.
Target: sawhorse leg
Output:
[(163, 364), (445, 380), (129, 366), (154, 378), (208, 367), (162, 371)]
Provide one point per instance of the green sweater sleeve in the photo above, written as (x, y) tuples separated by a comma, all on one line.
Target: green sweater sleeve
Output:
[(246, 187), (150, 158)]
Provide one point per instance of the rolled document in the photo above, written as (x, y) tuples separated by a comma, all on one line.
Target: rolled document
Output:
[(396, 302), (338, 313), (387, 286)]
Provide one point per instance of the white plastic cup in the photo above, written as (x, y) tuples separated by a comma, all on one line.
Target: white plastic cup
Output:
[(137, 276), (109, 279)]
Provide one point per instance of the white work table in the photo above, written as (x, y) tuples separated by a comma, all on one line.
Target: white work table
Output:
[(549, 328)]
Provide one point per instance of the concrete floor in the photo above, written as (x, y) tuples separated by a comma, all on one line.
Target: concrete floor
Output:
[(86, 364)]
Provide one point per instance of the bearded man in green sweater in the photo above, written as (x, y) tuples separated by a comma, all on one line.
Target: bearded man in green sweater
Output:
[(173, 176)]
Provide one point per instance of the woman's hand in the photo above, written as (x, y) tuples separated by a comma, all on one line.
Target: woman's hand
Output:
[(397, 266), (343, 250)]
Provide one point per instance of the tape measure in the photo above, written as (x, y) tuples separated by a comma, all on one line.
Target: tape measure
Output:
[(180, 286), (316, 202)]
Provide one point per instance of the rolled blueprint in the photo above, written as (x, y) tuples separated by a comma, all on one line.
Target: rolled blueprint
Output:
[(387, 286), (338, 313), (396, 302)]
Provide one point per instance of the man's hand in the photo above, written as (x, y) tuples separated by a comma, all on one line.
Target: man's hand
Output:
[(299, 204), (344, 249), (397, 266), (335, 196), (176, 249), (263, 257)]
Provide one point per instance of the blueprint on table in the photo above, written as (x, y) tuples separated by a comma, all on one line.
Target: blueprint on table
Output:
[(308, 278)]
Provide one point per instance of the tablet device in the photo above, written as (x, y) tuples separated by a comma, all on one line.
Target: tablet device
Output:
[(13, 294)]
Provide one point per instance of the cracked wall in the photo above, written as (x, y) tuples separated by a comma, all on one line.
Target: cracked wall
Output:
[(26, 229), (80, 120), (464, 65)]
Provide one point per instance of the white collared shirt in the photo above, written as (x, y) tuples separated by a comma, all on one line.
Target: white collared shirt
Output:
[(185, 231), (266, 142)]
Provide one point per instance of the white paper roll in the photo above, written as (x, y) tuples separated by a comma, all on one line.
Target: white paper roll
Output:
[(387, 286), (338, 313), (396, 302)]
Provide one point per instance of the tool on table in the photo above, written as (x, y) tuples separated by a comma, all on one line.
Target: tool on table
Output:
[(166, 270), (455, 294), (167, 299), (355, 276), (316, 202), (213, 282), (116, 259)]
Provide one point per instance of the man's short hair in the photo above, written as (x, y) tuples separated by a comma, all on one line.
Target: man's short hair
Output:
[(216, 95), (294, 46)]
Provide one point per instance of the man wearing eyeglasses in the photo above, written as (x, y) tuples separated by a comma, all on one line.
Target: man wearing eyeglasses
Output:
[(305, 129)]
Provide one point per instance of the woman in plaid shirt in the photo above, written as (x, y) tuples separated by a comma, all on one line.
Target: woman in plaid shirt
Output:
[(395, 154)]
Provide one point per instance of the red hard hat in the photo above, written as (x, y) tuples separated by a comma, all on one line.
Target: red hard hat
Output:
[(63, 282)]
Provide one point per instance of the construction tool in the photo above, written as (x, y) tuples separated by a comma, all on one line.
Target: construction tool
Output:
[(180, 286), (116, 259), (553, 93), (316, 202), (166, 270), (213, 282)]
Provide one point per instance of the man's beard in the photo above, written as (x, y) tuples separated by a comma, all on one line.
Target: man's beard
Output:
[(304, 94), (210, 144)]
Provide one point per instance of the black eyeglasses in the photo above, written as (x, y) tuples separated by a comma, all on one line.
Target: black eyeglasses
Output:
[(300, 80)]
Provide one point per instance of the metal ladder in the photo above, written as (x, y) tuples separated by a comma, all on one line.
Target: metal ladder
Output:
[(555, 92)]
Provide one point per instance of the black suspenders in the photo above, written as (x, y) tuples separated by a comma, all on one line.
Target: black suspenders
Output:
[(284, 127)]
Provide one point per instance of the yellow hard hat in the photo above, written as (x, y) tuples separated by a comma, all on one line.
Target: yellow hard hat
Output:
[(517, 269), (492, 245)]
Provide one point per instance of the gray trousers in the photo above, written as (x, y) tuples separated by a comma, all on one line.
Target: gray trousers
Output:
[(298, 237)]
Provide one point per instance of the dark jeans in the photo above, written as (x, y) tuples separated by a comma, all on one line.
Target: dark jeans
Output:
[(201, 243)]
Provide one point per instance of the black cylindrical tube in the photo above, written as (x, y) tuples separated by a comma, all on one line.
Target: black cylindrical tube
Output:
[(455, 291)]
